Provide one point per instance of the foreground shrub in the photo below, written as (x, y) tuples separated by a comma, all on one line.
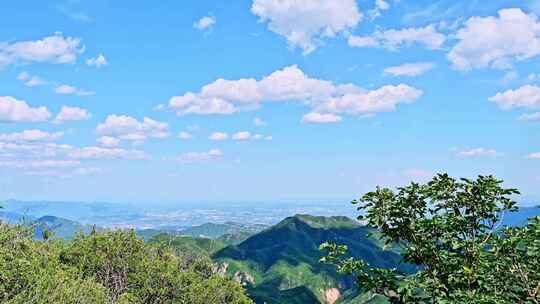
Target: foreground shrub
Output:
[(105, 267)]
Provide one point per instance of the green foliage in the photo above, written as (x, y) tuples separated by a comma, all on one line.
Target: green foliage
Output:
[(188, 246), (105, 267), (449, 229)]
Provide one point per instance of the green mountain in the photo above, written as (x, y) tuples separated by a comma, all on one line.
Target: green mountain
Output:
[(60, 227), (213, 230), (189, 246), (281, 264)]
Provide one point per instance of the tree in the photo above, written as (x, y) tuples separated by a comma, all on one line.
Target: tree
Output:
[(448, 229)]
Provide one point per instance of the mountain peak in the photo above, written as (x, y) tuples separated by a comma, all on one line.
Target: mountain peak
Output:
[(324, 222)]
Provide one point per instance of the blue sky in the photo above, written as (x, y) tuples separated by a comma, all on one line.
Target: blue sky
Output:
[(263, 99)]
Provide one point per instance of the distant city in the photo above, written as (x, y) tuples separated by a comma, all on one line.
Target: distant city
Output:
[(172, 217)]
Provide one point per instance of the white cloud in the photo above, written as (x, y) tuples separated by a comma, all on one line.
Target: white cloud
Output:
[(319, 118), (304, 23), (218, 136), (98, 61), (258, 122), (477, 152), (534, 155), (393, 39), (205, 23), (30, 136), (496, 42), (13, 110), (106, 153), (33, 149), (193, 104), (409, 69), (55, 49), (242, 136), (128, 128), (39, 164), (67, 89), (384, 99), (509, 77), (195, 157), (380, 6), (291, 84), (530, 117), (185, 135), (428, 36), (108, 141), (527, 96), (71, 114), (362, 41), (30, 80)]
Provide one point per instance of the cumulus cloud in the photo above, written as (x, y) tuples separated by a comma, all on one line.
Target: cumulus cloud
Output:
[(409, 69), (108, 141), (195, 157), (291, 84), (530, 117), (318, 118), (496, 42), (67, 89), (128, 128), (218, 136), (31, 80), (55, 49), (384, 99), (30, 136), (242, 136), (393, 39), (304, 23), (205, 23), (97, 62), (13, 110), (477, 152), (71, 114), (185, 135), (527, 96)]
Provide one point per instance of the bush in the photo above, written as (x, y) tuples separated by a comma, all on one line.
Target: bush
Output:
[(105, 267)]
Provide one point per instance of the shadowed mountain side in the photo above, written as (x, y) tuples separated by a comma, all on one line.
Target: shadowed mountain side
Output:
[(286, 256)]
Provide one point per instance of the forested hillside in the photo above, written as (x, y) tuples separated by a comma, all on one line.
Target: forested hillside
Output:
[(105, 267)]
